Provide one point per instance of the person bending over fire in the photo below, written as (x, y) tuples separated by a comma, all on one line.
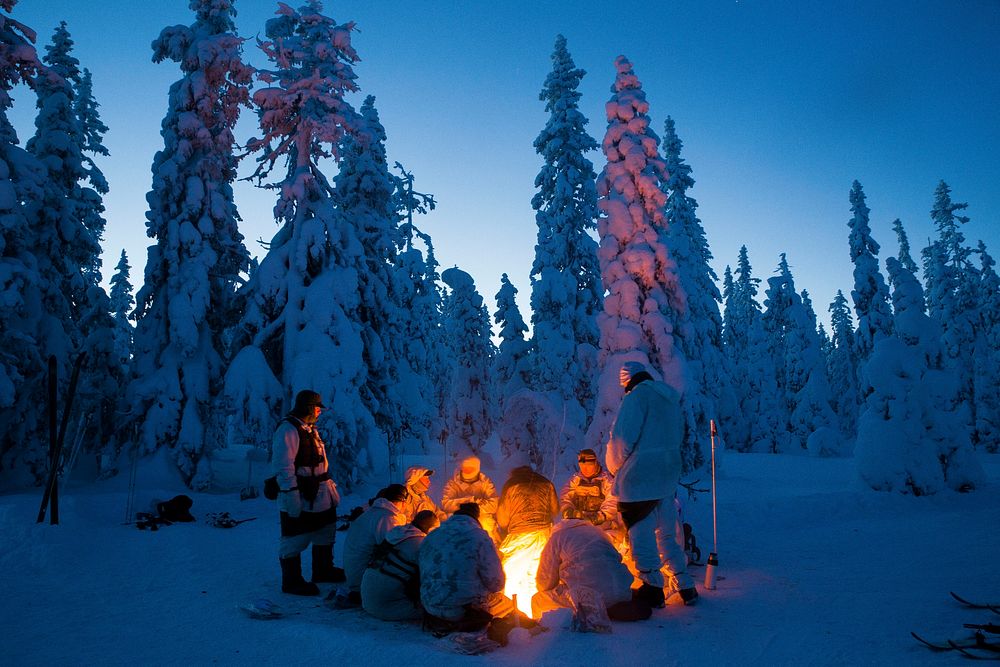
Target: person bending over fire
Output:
[(578, 561), (527, 508)]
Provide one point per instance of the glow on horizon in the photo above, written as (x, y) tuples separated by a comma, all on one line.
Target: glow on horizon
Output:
[(780, 107)]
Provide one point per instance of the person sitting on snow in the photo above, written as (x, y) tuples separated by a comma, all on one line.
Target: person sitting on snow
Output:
[(390, 587), (587, 495), (644, 455), (461, 581), (418, 483), (365, 533), (470, 485), (579, 557)]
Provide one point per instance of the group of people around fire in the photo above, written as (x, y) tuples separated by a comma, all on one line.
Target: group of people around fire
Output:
[(406, 558)]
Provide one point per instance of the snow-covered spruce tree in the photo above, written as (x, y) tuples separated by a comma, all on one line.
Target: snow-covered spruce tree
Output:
[(870, 293), (813, 421), (645, 301), (742, 311), (842, 367), (102, 374), (913, 437), (531, 428), (953, 294), (27, 330), (68, 224), (365, 196), (825, 344), (511, 370), (122, 302), (904, 257), (469, 418), (186, 306), (945, 258), (92, 131), (67, 248), (565, 288), (986, 359), (709, 394), (303, 309), (424, 346), (778, 298), (804, 395)]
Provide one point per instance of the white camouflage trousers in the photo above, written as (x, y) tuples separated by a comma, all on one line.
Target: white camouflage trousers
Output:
[(653, 547)]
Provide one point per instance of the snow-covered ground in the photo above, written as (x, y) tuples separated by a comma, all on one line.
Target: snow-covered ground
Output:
[(814, 570)]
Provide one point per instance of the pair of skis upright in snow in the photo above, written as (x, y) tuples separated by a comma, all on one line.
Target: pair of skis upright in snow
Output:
[(979, 646)]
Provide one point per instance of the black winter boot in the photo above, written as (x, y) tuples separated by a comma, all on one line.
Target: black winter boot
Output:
[(650, 595), (689, 595), (291, 578), (323, 570)]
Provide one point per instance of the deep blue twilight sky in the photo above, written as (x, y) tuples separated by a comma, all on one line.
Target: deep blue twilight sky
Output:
[(780, 105)]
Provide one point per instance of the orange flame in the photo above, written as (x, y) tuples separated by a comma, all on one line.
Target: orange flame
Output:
[(520, 554)]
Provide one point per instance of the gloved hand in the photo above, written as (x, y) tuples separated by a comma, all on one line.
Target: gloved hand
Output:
[(600, 518), (290, 502)]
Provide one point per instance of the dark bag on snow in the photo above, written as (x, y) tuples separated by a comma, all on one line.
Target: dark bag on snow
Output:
[(271, 488)]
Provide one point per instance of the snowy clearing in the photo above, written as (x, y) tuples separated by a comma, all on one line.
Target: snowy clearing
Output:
[(814, 570)]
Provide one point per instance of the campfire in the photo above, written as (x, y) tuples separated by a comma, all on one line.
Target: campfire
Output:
[(520, 554)]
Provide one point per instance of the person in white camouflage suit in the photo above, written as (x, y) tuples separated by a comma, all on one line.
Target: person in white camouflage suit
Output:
[(470, 485), (587, 495), (390, 587), (461, 580), (644, 455), (418, 483)]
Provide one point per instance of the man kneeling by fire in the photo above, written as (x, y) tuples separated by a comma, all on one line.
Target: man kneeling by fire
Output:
[(581, 569)]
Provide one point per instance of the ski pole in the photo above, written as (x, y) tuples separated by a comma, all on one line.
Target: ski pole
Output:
[(713, 558)]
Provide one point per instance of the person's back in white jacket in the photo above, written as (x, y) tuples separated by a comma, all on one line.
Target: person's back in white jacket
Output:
[(579, 555), (460, 569)]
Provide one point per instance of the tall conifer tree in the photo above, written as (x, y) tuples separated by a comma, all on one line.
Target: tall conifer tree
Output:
[(709, 393), (870, 293), (912, 435), (470, 408), (565, 289), (187, 304), (27, 328), (302, 327), (645, 301)]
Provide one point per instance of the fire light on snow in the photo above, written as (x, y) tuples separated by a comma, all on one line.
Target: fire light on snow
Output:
[(520, 555)]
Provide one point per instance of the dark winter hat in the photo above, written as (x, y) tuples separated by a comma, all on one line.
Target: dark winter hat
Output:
[(425, 520), (469, 509), (587, 455), (394, 493), (177, 508), (307, 399)]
